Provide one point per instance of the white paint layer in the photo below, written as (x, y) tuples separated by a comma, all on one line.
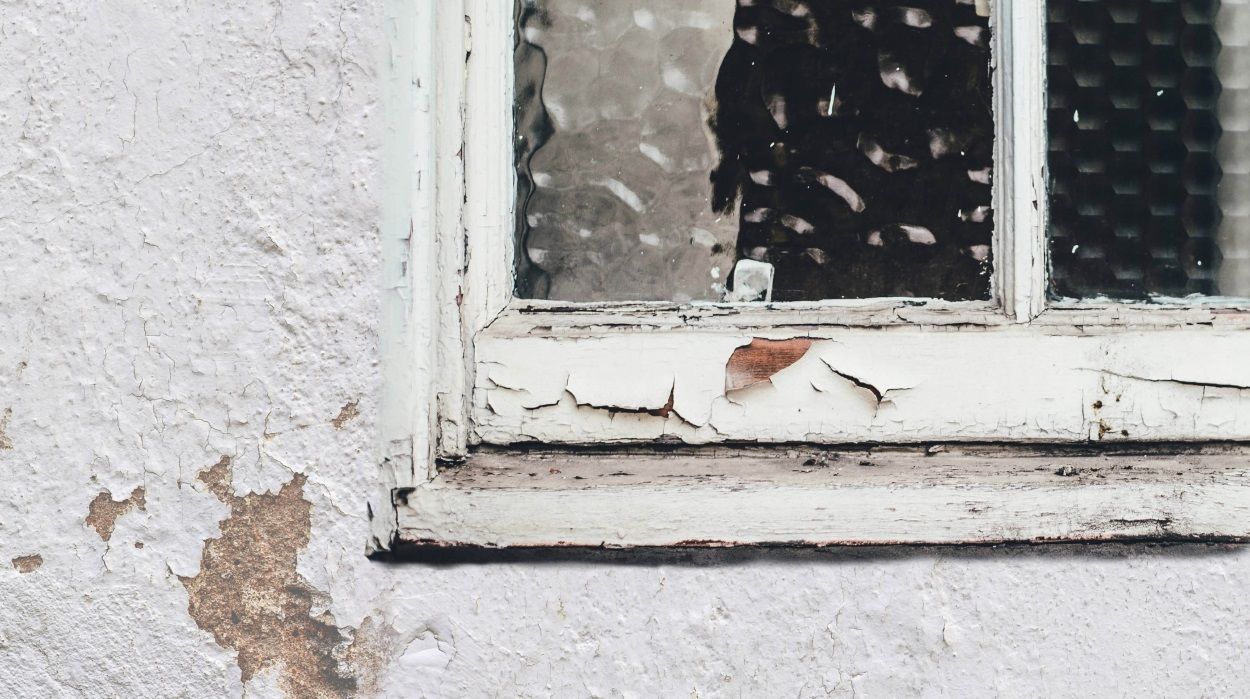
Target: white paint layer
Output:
[(1037, 383), (801, 496)]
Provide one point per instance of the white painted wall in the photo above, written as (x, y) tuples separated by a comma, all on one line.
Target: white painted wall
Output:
[(189, 217)]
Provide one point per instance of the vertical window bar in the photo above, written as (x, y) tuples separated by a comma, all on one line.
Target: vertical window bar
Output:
[(1022, 85)]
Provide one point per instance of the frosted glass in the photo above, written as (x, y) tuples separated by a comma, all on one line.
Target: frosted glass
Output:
[(848, 145)]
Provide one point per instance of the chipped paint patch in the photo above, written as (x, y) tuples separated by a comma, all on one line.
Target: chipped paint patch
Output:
[(250, 597), (761, 360), (104, 511), (5, 442), (28, 564), (374, 647), (350, 412)]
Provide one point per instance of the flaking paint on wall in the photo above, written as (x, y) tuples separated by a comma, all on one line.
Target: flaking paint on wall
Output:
[(249, 595), (189, 205), (28, 564), (104, 511), (5, 441), (350, 412)]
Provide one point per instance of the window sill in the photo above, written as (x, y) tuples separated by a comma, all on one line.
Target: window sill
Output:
[(797, 496)]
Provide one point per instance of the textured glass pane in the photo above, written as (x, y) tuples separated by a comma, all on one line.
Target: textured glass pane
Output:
[(845, 146), (1148, 120)]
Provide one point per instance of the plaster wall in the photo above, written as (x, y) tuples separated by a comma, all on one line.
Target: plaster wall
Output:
[(189, 212)]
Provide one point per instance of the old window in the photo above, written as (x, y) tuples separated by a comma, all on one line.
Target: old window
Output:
[(995, 251)]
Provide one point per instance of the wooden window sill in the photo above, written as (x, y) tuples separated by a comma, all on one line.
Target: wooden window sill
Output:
[(800, 496)]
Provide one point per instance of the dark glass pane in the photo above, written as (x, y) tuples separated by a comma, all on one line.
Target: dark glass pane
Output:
[(846, 146), (1147, 124)]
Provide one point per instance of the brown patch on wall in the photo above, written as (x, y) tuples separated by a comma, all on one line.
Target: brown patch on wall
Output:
[(28, 564), (761, 360), (5, 442), (104, 511), (372, 648), (349, 412), (250, 597)]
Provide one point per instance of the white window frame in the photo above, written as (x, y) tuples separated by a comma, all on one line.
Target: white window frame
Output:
[(497, 411)]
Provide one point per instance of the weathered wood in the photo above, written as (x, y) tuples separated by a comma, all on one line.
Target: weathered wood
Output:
[(723, 497)]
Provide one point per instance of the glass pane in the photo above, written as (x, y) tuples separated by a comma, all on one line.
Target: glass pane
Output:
[(825, 149), (1150, 181)]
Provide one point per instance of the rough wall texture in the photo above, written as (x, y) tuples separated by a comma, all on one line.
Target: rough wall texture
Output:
[(187, 323)]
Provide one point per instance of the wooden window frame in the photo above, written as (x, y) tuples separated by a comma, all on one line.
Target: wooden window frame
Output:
[(508, 422)]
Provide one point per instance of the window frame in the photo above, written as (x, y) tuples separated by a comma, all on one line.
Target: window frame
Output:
[(468, 408)]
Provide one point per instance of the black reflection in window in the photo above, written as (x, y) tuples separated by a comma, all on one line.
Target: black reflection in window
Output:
[(1134, 130), (857, 142)]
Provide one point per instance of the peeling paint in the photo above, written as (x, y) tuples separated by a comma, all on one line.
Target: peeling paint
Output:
[(372, 651), (250, 597), (6, 443), (349, 412), (104, 511), (638, 393), (28, 564), (851, 384), (759, 361), (882, 383)]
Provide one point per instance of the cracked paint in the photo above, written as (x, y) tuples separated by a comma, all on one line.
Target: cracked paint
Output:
[(192, 225), (851, 384), (1179, 381)]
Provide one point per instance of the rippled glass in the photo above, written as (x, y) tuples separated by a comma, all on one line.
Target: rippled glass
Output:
[(1148, 119), (844, 146)]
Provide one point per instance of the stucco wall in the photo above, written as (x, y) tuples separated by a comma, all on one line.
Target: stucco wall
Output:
[(188, 388)]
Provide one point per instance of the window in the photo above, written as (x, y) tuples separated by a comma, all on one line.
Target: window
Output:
[(993, 252)]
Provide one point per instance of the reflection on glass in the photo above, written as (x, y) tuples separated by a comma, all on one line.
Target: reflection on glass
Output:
[(845, 147), (1148, 117)]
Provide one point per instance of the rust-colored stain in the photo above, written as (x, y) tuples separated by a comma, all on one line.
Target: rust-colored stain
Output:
[(104, 511), (250, 597), (349, 412), (761, 360), (28, 564)]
